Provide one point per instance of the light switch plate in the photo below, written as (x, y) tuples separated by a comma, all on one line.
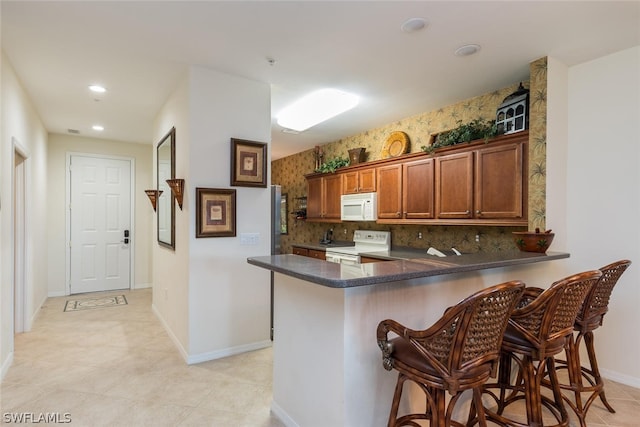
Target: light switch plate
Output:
[(249, 238)]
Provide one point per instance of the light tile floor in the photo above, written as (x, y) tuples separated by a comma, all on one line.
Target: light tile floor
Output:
[(116, 366)]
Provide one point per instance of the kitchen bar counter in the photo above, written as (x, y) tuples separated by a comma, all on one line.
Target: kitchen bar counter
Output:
[(327, 367), (402, 265)]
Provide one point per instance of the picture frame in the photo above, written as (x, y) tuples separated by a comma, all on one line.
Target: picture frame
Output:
[(248, 163), (215, 212)]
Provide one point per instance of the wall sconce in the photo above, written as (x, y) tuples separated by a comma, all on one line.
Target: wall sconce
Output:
[(153, 195), (177, 188)]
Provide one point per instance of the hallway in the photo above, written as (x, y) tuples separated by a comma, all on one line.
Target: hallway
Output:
[(116, 366)]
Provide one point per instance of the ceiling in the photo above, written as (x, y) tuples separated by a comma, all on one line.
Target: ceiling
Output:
[(140, 50)]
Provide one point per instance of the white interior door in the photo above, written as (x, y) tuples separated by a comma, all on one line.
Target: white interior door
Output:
[(100, 224)]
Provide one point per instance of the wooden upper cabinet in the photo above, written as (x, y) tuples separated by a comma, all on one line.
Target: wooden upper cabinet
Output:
[(359, 181), (475, 183), (323, 197), (499, 182), (331, 190), (418, 189), (454, 186), (390, 192), (314, 198)]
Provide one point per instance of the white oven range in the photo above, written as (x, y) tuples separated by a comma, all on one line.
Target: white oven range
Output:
[(365, 241)]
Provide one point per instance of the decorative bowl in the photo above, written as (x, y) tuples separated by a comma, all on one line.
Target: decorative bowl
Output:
[(530, 241)]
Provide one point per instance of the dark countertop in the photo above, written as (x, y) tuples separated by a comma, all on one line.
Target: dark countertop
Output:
[(347, 276)]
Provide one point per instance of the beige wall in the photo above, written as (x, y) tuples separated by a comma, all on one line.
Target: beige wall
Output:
[(603, 197), (211, 301), (59, 146), (22, 131)]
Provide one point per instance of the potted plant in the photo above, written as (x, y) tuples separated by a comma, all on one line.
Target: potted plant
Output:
[(332, 165), (467, 132)]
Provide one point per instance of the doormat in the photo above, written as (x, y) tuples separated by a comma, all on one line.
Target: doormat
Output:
[(90, 303)]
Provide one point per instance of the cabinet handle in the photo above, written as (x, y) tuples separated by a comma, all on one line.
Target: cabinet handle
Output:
[(355, 189), (398, 214), (467, 211), (478, 212)]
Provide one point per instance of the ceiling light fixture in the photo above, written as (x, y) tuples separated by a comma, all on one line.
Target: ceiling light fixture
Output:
[(97, 89), (315, 108), (467, 49), (97, 127), (413, 24)]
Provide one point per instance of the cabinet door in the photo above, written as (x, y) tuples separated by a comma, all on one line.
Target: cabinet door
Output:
[(314, 253), (454, 185), (418, 189), (390, 192), (314, 198), (296, 250), (350, 182), (367, 180), (499, 182), (331, 192), (360, 181)]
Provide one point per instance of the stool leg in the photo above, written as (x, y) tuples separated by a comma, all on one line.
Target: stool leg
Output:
[(557, 392), (393, 414), (438, 417), (532, 399), (574, 369), (479, 409), (504, 379), (588, 341)]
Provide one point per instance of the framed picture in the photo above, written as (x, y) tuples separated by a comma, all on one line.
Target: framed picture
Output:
[(215, 212), (248, 163)]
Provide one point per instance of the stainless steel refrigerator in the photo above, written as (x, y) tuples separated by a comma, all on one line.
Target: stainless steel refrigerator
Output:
[(276, 230)]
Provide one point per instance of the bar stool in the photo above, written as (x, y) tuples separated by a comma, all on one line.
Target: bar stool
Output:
[(459, 352), (538, 330), (589, 318)]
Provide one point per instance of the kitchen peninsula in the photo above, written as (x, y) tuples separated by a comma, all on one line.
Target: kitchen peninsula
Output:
[(326, 364)]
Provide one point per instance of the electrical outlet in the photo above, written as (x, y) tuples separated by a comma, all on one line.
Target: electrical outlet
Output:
[(419, 235), (478, 238)]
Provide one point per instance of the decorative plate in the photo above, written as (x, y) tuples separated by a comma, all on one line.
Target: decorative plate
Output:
[(396, 144)]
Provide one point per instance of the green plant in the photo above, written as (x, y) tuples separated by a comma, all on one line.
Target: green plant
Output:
[(477, 129), (333, 164)]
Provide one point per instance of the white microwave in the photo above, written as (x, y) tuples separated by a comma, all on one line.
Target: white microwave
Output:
[(359, 207)]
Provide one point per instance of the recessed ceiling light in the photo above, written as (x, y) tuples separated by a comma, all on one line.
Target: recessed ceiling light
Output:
[(315, 108), (97, 127), (97, 89), (466, 50), (413, 24)]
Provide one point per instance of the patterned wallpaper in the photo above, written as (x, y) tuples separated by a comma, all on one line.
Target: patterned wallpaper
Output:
[(289, 173)]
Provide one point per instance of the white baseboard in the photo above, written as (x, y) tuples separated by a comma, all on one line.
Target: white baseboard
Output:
[(6, 365), (282, 415), (141, 286), (226, 352), (175, 339), (53, 294), (212, 355), (33, 318), (620, 378)]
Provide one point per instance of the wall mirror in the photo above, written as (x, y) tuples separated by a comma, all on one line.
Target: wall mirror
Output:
[(166, 169)]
